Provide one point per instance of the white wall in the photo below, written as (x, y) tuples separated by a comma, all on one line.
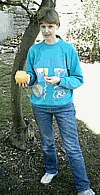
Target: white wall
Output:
[(6, 25), (87, 97)]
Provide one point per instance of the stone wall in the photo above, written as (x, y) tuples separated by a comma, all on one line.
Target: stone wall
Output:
[(21, 21)]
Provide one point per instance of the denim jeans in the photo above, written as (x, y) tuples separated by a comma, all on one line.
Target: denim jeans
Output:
[(65, 117)]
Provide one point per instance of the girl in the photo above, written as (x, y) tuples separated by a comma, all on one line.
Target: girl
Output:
[(53, 69)]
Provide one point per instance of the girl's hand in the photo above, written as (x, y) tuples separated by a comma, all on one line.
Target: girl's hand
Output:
[(22, 78), (26, 83), (52, 80)]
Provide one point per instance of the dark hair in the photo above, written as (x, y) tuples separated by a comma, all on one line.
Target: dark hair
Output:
[(58, 37), (50, 16)]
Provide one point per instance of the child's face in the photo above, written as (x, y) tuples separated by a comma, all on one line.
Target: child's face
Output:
[(48, 31)]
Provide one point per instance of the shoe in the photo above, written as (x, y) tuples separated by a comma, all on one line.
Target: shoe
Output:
[(47, 178), (87, 192)]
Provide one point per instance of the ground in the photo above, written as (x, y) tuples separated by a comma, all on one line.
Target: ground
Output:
[(21, 171)]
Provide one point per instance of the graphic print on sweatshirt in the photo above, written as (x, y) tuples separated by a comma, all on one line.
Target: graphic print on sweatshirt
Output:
[(40, 86), (59, 91)]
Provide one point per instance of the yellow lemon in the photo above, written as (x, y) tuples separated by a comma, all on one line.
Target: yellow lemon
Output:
[(21, 76)]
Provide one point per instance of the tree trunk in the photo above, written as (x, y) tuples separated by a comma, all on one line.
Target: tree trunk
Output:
[(19, 131)]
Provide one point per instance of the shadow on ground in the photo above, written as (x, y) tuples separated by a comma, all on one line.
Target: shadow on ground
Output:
[(21, 171)]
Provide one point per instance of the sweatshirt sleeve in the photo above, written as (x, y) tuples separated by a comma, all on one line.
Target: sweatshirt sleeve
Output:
[(75, 79), (29, 66)]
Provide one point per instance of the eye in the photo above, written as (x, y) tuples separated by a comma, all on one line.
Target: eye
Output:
[(50, 26), (42, 26)]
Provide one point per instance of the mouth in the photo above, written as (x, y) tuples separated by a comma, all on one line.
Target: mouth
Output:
[(47, 35)]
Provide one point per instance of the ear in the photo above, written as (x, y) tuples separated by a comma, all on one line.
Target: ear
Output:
[(57, 26)]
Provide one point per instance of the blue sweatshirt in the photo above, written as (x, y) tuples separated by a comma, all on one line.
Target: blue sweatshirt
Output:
[(53, 60)]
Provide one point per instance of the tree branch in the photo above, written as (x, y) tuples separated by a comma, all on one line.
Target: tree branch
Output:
[(21, 5), (28, 3), (34, 2), (16, 4)]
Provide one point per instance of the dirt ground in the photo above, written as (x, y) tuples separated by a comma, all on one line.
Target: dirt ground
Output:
[(21, 171)]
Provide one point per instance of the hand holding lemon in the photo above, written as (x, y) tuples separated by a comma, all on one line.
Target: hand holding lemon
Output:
[(22, 78)]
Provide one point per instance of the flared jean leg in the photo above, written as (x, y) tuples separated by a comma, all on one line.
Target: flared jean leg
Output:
[(68, 131), (44, 122)]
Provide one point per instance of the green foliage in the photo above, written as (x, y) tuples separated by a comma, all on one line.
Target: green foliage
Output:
[(85, 34), (86, 40), (1, 7)]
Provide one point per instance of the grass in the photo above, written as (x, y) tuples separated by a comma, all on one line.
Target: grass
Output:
[(5, 85), (5, 91), (21, 171)]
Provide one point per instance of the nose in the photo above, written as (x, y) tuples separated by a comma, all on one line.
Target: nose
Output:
[(46, 29)]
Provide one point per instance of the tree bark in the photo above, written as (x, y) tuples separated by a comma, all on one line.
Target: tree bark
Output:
[(19, 131)]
